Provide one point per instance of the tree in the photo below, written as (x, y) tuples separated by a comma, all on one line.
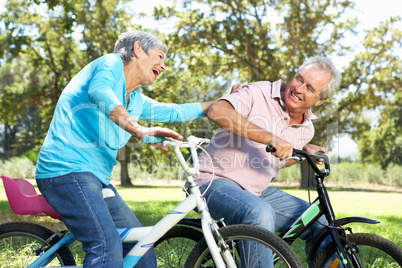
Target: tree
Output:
[(58, 38), (241, 39), (18, 111), (375, 79), (226, 39), (267, 40), (383, 144)]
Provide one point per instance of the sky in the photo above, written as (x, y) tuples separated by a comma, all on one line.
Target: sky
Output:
[(368, 12)]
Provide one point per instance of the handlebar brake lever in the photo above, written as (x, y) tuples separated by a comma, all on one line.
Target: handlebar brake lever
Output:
[(295, 157), (320, 156)]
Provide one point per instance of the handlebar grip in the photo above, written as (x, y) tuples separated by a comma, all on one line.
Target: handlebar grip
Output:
[(270, 149), (153, 139)]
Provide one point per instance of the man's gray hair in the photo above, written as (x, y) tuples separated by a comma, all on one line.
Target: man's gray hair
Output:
[(325, 64), (125, 43)]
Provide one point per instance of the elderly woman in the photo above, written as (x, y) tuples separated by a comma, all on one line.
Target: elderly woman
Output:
[(96, 114)]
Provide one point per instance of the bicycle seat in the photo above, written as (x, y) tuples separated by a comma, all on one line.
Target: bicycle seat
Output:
[(24, 200)]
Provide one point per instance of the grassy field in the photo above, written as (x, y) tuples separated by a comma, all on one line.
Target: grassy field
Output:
[(150, 203)]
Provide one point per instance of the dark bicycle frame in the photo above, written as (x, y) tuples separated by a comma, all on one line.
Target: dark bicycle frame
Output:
[(321, 206)]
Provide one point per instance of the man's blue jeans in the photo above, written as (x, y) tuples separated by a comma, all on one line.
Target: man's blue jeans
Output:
[(273, 210), (93, 220)]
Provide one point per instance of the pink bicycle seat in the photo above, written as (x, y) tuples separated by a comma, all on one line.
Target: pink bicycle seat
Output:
[(24, 200)]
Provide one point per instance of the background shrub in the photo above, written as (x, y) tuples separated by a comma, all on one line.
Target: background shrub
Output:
[(341, 174), (18, 167)]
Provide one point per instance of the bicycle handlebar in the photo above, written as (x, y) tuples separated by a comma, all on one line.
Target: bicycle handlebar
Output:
[(192, 143), (319, 156), (153, 139)]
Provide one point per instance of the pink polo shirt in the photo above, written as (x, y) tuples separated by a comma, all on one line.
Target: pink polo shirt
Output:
[(244, 161)]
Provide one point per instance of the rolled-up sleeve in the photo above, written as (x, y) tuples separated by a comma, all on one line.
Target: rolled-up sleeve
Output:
[(243, 99)]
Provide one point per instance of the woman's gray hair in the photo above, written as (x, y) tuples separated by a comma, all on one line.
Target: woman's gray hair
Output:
[(125, 43), (325, 64)]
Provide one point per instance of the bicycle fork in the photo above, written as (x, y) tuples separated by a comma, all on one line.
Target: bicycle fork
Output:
[(215, 241), (344, 249), (347, 249)]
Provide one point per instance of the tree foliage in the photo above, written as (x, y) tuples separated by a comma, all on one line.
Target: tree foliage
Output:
[(256, 40), (269, 39), (374, 77), (55, 39), (369, 112), (261, 39), (212, 44), (383, 144)]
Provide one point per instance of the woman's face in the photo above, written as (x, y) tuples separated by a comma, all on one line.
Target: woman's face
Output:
[(151, 65)]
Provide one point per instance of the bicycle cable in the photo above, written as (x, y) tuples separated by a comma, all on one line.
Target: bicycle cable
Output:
[(213, 170), (188, 160), (309, 193), (308, 184)]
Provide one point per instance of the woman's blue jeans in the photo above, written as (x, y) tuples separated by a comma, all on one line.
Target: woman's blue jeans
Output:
[(93, 220), (273, 210)]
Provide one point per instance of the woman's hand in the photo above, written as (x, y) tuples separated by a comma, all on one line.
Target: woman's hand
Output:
[(236, 88), (120, 116), (159, 131)]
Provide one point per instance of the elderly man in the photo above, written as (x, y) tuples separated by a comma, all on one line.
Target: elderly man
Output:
[(259, 114)]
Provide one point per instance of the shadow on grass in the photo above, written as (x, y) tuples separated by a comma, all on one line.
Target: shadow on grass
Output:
[(7, 215), (150, 212), (144, 186), (345, 189)]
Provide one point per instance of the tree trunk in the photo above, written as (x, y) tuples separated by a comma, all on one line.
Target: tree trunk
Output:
[(124, 178), (307, 175)]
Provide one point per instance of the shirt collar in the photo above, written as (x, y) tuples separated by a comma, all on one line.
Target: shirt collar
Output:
[(277, 88)]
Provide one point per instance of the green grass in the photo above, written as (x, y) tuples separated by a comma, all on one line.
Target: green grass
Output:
[(150, 203)]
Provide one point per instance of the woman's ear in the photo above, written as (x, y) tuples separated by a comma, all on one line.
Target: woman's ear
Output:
[(137, 50)]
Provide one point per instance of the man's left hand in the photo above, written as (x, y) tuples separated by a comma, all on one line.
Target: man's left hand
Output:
[(312, 149)]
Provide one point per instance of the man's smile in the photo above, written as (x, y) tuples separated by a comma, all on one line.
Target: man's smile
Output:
[(295, 97)]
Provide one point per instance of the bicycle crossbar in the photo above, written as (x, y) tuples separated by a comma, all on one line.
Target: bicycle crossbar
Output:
[(157, 231)]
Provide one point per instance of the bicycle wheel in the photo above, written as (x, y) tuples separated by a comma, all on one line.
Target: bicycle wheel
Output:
[(20, 241), (372, 251), (238, 238), (173, 248)]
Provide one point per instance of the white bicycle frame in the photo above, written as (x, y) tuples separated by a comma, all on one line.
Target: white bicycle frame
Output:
[(147, 236)]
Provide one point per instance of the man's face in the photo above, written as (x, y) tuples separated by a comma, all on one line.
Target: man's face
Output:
[(304, 90), (152, 65)]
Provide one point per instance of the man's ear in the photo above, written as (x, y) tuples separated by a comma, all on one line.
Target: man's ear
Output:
[(137, 49), (318, 102)]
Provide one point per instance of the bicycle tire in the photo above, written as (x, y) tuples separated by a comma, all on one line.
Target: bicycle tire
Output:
[(173, 248), (19, 242), (235, 235), (373, 251)]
